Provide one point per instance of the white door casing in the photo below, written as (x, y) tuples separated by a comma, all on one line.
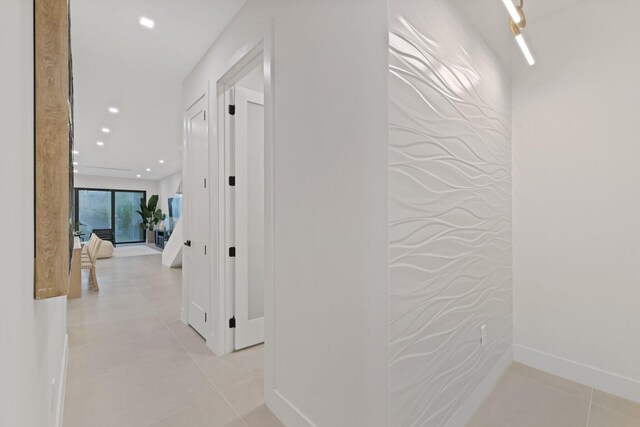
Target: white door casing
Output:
[(198, 274), (249, 162)]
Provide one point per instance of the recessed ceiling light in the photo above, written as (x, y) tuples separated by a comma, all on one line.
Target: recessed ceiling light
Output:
[(75, 171), (106, 130), (161, 161), (75, 163), (148, 170), (75, 152), (113, 110), (146, 22), (138, 176), (100, 143)]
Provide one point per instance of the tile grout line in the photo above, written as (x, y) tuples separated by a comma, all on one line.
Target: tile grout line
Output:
[(574, 395), (615, 411), (224, 397), (590, 405), (205, 375), (233, 408), (175, 412), (91, 295), (149, 304), (220, 392)]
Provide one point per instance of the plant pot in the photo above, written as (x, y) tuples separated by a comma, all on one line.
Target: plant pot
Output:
[(151, 236)]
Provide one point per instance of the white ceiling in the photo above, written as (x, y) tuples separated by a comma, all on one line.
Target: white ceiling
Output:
[(119, 63), (538, 9), (491, 19), (140, 71)]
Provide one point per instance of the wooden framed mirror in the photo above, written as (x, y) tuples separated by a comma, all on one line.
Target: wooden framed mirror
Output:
[(52, 148)]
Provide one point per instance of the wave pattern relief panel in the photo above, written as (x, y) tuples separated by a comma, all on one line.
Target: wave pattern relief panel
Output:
[(450, 212)]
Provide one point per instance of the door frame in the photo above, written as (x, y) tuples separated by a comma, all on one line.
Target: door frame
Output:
[(260, 54)]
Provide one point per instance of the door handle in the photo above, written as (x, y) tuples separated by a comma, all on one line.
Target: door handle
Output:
[(187, 243)]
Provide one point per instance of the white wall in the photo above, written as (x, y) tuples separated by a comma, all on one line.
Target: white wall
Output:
[(330, 180), (576, 198), (32, 333), (449, 215)]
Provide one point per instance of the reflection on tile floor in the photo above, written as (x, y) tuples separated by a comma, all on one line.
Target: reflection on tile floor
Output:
[(527, 397), (133, 363)]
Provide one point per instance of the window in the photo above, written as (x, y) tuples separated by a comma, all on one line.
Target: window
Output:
[(114, 210), (94, 211), (127, 220)]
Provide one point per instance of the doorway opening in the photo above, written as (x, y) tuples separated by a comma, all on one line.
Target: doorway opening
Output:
[(241, 95), (246, 219), (236, 112), (136, 133)]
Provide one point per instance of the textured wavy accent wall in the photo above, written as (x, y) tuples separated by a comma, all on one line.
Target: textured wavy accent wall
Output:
[(450, 212)]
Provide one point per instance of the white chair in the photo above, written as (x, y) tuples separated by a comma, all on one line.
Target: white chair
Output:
[(85, 246), (106, 250), (89, 260)]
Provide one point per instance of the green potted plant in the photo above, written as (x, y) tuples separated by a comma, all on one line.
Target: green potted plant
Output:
[(150, 215)]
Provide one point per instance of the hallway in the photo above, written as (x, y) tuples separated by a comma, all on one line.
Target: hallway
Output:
[(133, 363)]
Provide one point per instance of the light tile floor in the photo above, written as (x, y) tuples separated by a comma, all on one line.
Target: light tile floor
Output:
[(133, 363), (527, 397)]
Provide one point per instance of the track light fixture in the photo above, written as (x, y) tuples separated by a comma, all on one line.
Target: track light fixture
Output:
[(517, 23)]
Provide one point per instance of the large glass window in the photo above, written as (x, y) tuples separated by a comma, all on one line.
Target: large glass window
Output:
[(94, 211), (127, 219), (113, 210)]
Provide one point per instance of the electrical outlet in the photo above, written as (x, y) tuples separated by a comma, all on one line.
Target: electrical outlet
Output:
[(483, 335)]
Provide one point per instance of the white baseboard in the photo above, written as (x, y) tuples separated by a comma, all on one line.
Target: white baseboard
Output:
[(286, 411), (608, 382), (62, 383), (480, 393)]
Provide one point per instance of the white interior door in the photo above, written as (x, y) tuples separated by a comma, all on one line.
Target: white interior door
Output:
[(198, 205), (250, 217)]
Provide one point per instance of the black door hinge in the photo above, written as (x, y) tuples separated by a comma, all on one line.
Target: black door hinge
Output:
[(205, 183), (232, 181), (232, 322), (205, 249), (232, 110), (232, 252), (205, 318), (205, 115)]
